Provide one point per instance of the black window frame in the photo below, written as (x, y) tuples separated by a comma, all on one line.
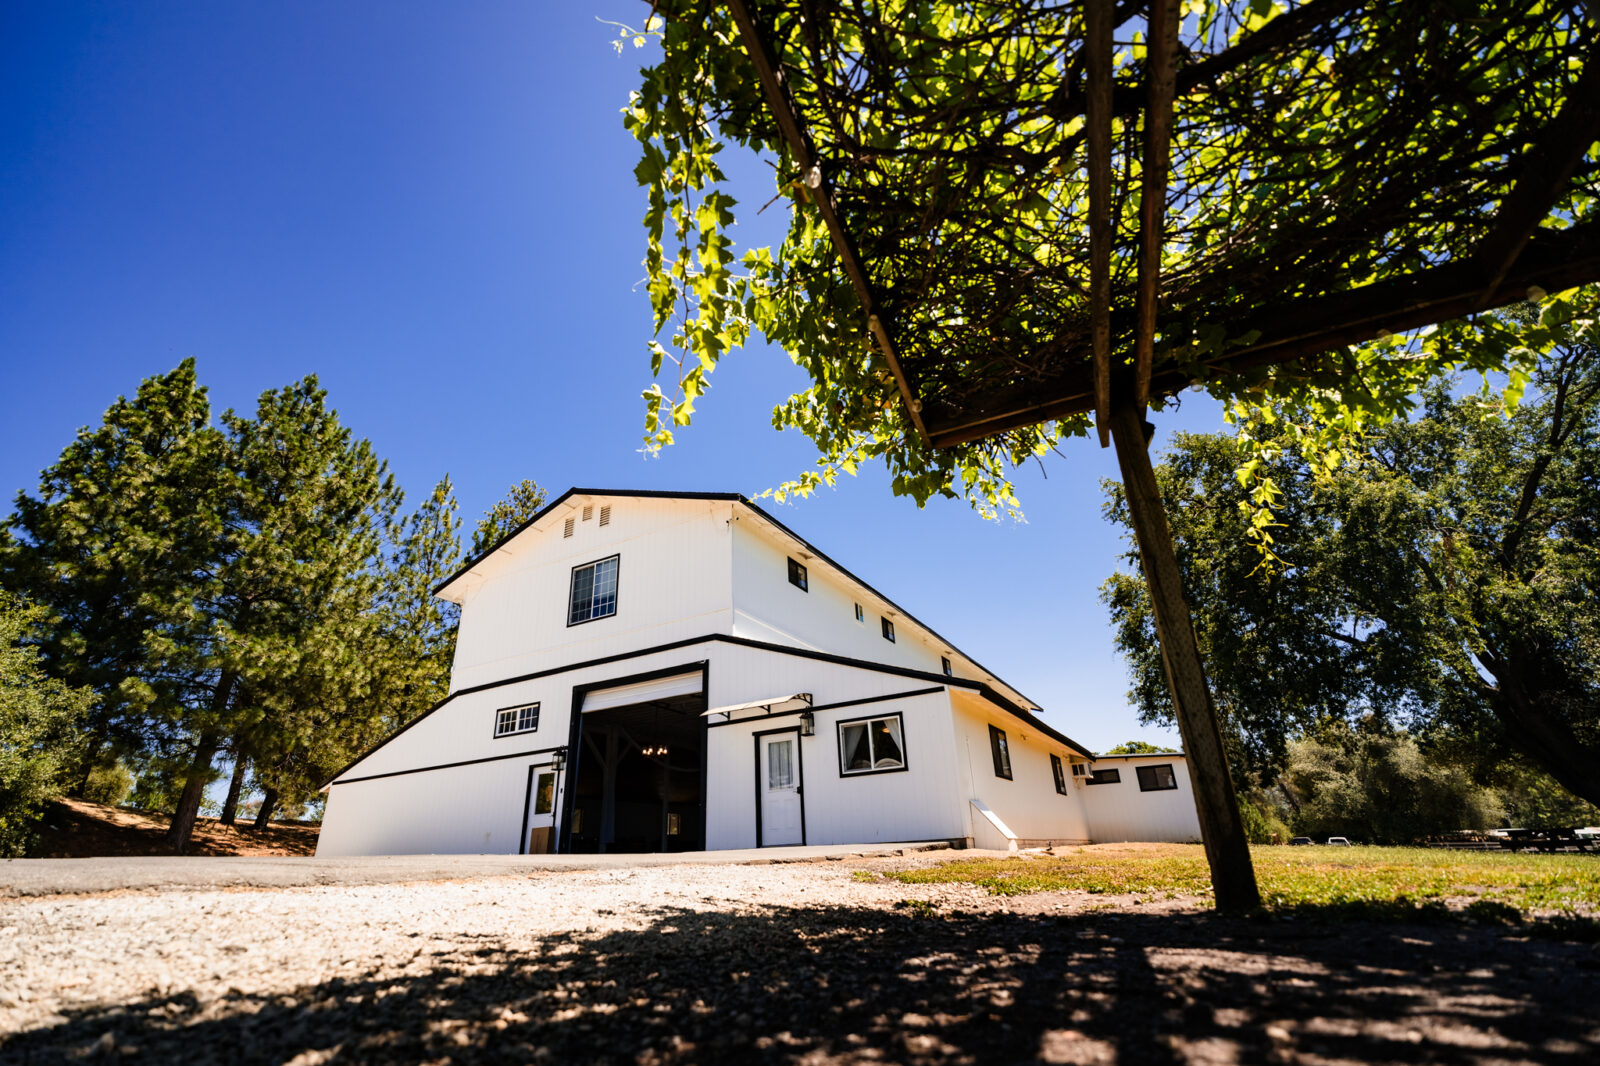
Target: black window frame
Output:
[(797, 575), (838, 733), (1059, 773), (888, 629), (944, 663), (861, 615), (517, 709), (1000, 752), (1113, 776), (572, 588), (1172, 777)]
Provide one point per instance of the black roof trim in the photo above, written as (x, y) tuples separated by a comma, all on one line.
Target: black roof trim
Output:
[(727, 497), (979, 687)]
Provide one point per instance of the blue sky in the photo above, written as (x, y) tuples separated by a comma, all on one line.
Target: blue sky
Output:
[(432, 207)]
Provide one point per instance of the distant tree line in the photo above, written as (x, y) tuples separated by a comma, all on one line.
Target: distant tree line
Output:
[(1429, 617), (246, 591)]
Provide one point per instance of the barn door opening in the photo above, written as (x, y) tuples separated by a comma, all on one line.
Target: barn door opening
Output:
[(639, 784)]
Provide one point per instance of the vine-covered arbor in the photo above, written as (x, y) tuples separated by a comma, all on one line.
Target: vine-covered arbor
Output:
[(1015, 216)]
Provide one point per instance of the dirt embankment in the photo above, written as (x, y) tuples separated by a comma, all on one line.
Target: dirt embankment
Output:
[(77, 829)]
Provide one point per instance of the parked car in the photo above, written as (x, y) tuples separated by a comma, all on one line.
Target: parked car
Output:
[(1302, 840), (1339, 842), (1592, 832)]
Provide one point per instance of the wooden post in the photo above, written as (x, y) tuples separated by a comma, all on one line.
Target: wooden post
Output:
[(1232, 874)]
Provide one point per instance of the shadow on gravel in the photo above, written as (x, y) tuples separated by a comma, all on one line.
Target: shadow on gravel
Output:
[(842, 984)]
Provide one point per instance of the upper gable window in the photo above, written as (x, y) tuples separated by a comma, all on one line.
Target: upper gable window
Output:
[(861, 616), (594, 591), (944, 662), (797, 576), (888, 630)]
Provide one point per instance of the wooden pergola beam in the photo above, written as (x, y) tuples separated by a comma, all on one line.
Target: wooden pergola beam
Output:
[(1301, 328), (1099, 17), (1161, 49), (1547, 167), (781, 102)]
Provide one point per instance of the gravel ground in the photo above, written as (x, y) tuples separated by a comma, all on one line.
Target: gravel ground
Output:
[(773, 963)]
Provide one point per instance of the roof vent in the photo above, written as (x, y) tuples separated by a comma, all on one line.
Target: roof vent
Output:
[(588, 511), (605, 514), (566, 530)]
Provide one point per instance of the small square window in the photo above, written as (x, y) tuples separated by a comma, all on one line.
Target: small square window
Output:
[(1000, 748), (797, 575), (1156, 778), (510, 720), (1105, 777), (1059, 774), (869, 745), (861, 616), (944, 662), (594, 591), (888, 630)]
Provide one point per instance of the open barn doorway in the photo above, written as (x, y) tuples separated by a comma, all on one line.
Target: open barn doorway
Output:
[(639, 784)]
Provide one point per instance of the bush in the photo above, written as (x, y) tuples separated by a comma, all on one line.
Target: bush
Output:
[(39, 737), (1262, 823), (109, 785)]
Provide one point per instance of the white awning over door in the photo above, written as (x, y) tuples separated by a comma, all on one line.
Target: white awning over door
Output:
[(687, 684)]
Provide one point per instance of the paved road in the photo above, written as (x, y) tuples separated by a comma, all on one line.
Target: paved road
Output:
[(47, 877)]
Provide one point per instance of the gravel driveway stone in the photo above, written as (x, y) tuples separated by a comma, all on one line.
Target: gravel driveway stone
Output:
[(773, 963)]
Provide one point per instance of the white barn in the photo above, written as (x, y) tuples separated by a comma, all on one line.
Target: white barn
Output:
[(676, 671)]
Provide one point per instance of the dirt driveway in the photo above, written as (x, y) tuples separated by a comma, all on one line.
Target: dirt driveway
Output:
[(788, 963)]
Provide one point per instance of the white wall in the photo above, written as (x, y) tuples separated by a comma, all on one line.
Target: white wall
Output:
[(464, 810), (1029, 804), (767, 607), (673, 578), (1120, 811), (918, 804)]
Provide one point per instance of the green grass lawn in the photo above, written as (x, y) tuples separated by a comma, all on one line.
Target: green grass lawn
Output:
[(1489, 884)]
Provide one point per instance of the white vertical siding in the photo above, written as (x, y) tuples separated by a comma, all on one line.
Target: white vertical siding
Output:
[(1120, 811), (673, 583), (767, 607), (1028, 803), (916, 804), (461, 810)]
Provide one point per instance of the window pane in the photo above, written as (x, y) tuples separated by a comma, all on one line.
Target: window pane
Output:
[(582, 594), (780, 764), (528, 718), (886, 742), (605, 589), (544, 796), (853, 744), (1005, 755)]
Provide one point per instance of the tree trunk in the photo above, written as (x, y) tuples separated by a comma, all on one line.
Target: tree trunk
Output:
[(1551, 743), (269, 802), (193, 791), (230, 806), (90, 754), (1221, 828), (199, 771)]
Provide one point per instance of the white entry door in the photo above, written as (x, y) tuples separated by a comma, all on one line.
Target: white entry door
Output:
[(778, 788), (541, 807)]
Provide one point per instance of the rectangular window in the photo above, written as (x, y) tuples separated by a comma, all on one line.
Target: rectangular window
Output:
[(871, 745), (510, 720), (888, 630), (945, 663), (1105, 777), (594, 591), (797, 575), (1157, 778), (544, 794), (1001, 750), (861, 616), (1060, 774), (674, 824)]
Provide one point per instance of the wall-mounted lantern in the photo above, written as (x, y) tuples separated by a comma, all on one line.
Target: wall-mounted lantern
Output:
[(808, 724), (558, 759)]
